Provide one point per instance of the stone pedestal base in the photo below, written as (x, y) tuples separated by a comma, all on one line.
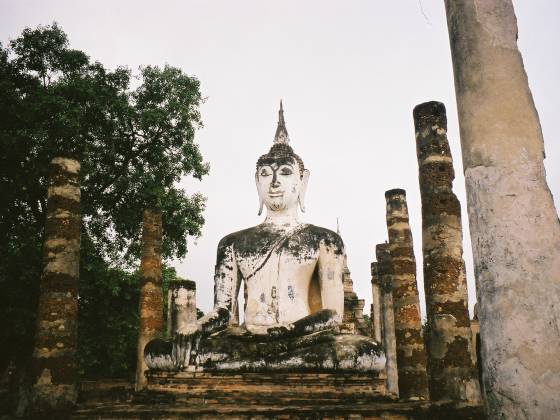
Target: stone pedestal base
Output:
[(273, 388), (202, 395)]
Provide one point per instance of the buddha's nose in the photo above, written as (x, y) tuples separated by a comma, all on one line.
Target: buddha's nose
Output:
[(275, 182)]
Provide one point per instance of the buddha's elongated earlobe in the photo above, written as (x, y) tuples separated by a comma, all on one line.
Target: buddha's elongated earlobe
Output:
[(261, 202), (303, 190)]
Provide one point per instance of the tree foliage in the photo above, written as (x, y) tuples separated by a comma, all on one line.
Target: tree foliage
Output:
[(107, 338), (134, 136)]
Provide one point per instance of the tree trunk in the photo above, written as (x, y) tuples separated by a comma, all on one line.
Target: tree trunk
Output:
[(513, 223), (53, 365), (151, 295)]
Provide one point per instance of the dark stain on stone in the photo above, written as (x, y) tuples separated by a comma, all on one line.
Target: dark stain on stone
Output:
[(259, 239)]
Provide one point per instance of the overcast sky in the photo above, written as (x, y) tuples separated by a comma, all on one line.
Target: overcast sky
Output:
[(349, 73)]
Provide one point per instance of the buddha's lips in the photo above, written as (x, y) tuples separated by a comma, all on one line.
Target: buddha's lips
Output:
[(275, 194)]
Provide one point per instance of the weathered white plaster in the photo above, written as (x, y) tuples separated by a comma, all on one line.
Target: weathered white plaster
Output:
[(68, 191), (181, 316), (69, 165), (64, 259), (436, 159), (513, 223)]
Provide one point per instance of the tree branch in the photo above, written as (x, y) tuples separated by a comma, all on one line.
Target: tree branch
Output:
[(123, 169)]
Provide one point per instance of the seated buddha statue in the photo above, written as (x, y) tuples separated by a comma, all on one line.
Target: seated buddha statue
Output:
[(292, 278)]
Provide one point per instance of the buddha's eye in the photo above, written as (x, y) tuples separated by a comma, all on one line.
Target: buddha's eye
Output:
[(286, 171), (265, 172)]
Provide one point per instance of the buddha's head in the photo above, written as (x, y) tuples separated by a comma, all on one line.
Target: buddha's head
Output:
[(281, 177)]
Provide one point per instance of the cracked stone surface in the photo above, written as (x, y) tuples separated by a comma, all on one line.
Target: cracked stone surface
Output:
[(514, 226)]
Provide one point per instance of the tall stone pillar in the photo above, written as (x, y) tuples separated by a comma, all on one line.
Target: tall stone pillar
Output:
[(450, 367), (151, 295), (513, 223), (181, 306), (411, 353), (375, 313), (53, 364), (384, 267)]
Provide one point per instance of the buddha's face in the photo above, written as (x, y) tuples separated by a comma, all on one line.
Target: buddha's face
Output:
[(279, 184)]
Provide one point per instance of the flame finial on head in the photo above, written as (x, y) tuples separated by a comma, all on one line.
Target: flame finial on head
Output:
[(281, 135)]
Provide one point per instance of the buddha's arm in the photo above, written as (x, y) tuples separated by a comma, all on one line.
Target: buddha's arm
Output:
[(226, 277), (225, 285), (331, 266), (226, 281)]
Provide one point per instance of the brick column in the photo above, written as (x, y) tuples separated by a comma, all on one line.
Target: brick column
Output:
[(375, 313), (452, 374), (387, 316), (411, 353), (53, 364), (151, 295)]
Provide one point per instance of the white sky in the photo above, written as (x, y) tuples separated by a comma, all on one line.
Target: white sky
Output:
[(349, 73)]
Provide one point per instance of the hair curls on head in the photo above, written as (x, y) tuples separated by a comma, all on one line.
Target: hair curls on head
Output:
[(281, 153)]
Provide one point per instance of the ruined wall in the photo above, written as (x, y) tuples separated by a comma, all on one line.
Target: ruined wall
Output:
[(151, 298), (53, 365), (411, 353), (450, 367), (513, 223)]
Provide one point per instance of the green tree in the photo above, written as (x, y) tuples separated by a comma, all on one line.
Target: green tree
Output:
[(134, 145)]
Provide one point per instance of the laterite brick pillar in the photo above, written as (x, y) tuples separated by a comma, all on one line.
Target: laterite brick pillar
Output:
[(375, 313), (411, 352), (452, 373), (151, 295), (53, 365), (384, 268)]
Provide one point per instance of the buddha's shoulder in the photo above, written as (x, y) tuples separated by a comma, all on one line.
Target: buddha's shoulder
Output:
[(315, 235), (262, 234), (253, 237)]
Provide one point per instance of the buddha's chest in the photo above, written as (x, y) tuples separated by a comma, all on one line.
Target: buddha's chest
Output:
[(277, 286)]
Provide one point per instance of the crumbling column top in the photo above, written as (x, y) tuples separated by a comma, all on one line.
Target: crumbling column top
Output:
[(182, 283), (432, 112), (395, 192)]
